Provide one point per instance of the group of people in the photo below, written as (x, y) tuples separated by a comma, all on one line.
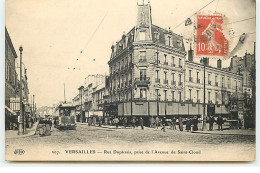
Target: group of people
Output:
[(191, 124), (219, 121)]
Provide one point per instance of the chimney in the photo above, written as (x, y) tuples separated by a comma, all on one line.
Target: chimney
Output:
[(219, 63), (190, 54)]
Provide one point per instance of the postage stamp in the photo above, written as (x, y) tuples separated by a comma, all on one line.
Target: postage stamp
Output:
[(210, 37)]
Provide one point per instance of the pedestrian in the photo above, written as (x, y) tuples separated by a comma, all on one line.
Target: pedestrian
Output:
[(133, 122), (195, 123), (100, 122), (180, 124), (220, 121), (116, 122), (152, 122), (142, 123), (163, 124), (157, 122), (188, 124), (211, 122), (94, 121), (173, 123), (125, 122)]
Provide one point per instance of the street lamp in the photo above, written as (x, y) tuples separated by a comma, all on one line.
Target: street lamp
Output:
[(158, 98), (21, 121)]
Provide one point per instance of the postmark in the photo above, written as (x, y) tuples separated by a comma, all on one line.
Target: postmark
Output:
[(211, 40)]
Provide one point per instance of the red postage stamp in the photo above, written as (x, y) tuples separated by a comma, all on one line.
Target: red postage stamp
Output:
[(210, 37)]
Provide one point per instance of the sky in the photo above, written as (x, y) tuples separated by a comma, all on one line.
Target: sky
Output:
[(58, 36)]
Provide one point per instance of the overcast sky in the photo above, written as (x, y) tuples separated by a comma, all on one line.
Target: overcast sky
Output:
[(54, 32)]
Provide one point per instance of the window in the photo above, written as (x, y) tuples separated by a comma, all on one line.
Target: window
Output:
[(180, 83), (165, 59), (156, 35), (209, 97), (223, 81), (169, 40), (173, 96), (165, 95), (198, 80), (216, 98), (142, 75), (157, 94), (173, 64), (190, 78), (157, 76), (180, 96), (190, 93), (223, 98), (173, 82), (142, 57), (142, 35), (198, 96), (180, 64), (165, 78), (209, 81), (143, 93)]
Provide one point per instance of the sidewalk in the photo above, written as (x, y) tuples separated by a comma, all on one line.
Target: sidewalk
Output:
[(228, 132), (9, 134)]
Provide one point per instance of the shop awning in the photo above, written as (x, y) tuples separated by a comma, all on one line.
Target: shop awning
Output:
[(10, 110)]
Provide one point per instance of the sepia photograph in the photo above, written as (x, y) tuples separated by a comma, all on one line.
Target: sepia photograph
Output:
[(130, 80)]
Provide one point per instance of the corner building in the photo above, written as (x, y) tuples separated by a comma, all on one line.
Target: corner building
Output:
[(146, 69)]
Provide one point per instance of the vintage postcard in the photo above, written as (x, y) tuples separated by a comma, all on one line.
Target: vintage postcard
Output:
[(130, 80)]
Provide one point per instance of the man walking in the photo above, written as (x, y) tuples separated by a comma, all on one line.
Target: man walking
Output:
[(142, 123), (116, 121), (163, 124), (220, 121), (157, 122), (173, 123), (125, 122), (211, 121)]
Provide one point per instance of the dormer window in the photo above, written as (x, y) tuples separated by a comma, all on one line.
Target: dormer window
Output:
[(142, 35), (169, 40), (179, 42), (156, 35)]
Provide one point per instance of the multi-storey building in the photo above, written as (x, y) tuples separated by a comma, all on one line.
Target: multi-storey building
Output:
[(147, 63), (244, 65), (90, 100), (11, 83)]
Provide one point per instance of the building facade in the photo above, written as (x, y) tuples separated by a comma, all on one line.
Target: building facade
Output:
[(146, 63)]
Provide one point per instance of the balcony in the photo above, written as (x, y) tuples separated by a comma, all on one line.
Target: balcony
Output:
[(209, 82), (216, 83), (180, 83), (165, 81), (144, 81), (198, 100), (165, 63), (190, 79), (180, 66), (198, 80), (173, 83), (157, 80), (209, 102)]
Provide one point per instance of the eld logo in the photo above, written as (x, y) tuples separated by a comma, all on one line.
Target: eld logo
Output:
[(19, 152)]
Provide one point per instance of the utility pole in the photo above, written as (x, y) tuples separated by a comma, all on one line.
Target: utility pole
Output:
[(21, 127), (204, 95)]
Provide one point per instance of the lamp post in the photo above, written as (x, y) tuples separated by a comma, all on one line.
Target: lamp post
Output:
[(158, 98), (204, 95), (21, 127)]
